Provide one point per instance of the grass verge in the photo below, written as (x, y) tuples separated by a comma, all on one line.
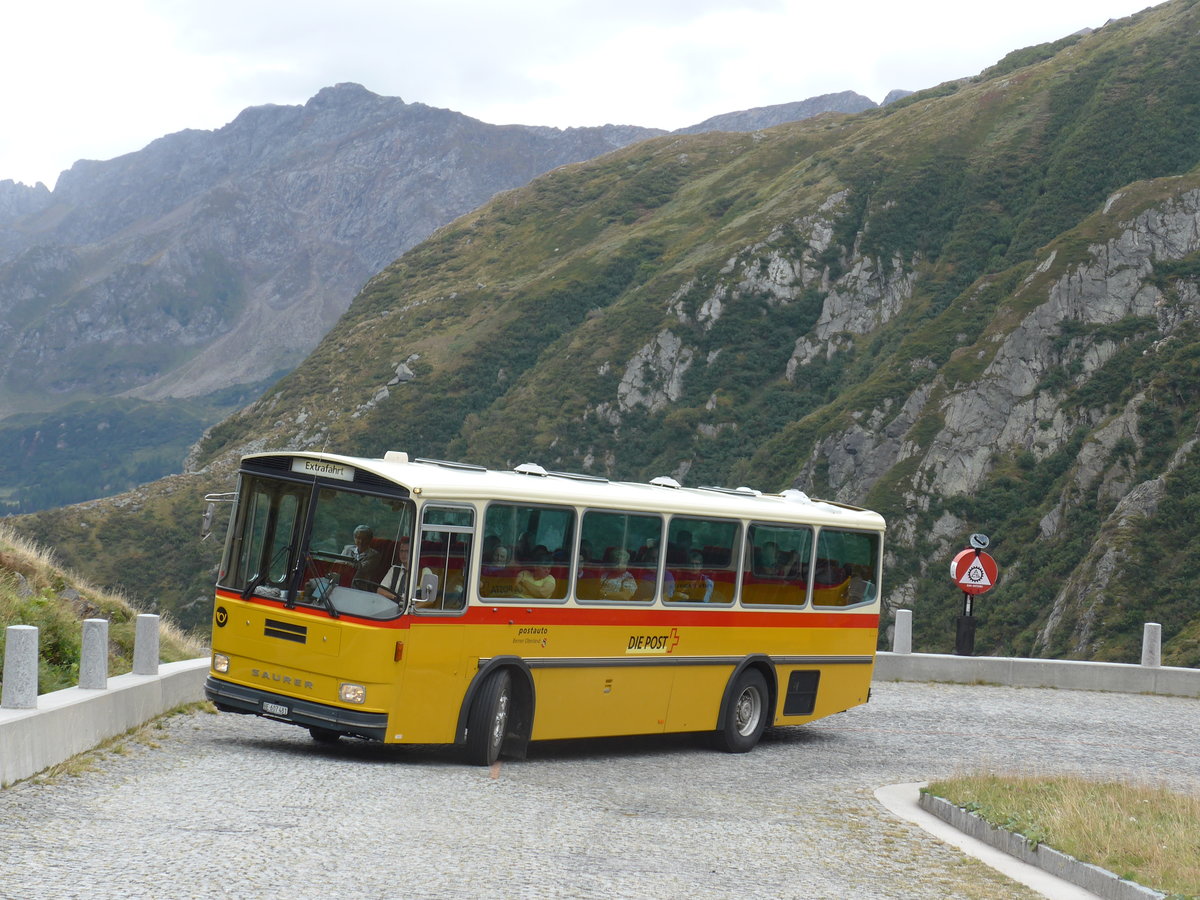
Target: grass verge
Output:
[(1145, 833), (35, 590)]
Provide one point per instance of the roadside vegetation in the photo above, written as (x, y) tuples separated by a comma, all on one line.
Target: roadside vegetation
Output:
[(1145, 833), (658, 311), (34, 590)]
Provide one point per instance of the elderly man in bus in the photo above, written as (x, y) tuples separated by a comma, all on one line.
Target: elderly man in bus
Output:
[(368, 563)]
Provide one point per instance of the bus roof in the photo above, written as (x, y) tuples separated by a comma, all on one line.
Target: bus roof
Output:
[(444, 480)]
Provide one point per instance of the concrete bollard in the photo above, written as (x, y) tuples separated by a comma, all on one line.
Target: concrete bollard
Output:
[(902, 638), (93, 661), (1152, 644), (20, 667), (145, 645)]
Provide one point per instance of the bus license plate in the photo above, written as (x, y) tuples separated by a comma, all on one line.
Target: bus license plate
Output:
[(274, 709)]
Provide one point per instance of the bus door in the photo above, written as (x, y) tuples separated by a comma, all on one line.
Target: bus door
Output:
[(435, 671)]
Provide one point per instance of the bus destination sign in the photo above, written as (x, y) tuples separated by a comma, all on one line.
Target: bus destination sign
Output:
[(323, 468)]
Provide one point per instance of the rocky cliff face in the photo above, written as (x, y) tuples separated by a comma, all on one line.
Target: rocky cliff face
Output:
[(947, 435), (1079, 318), (19, 200), (213, 258), (767, 116), (209, 263)]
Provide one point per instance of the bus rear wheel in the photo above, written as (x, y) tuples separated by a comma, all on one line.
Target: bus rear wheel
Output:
[(746, 717), (487, 723)]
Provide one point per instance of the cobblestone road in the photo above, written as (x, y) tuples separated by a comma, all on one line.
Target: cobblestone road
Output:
[(230, 806)]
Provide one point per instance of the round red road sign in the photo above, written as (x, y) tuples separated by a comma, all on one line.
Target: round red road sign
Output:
[(974, 571)]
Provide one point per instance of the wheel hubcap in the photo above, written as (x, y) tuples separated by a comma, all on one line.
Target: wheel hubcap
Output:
[(500, 721), (749, 708)]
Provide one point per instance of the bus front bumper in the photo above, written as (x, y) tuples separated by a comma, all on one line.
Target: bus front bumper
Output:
[(229, 697)]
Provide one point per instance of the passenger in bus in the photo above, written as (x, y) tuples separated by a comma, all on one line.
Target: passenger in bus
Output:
[(693, 585), (648, 575), (618, 582), (495, 562), (768, 562), (679, 551), (538, 584), (495, 575), (523, 551), (368, 563), (828, 573)]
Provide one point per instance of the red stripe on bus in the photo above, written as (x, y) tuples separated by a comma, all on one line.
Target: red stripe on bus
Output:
[(609, 615)]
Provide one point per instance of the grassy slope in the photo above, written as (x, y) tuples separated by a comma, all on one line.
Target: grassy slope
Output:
[(517, 319), (35, 590)]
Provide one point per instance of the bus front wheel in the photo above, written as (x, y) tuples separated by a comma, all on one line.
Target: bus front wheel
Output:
[(324, 735), (488, 722), (747, 714)]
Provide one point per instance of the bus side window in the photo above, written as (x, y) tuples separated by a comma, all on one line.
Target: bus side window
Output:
[(628, 568), (701, 560), (445, 551), (526, 552), (779, 565), (847, 569)]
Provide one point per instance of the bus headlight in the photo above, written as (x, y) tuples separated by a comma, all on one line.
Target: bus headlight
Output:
[(352, 693), (220, 662)]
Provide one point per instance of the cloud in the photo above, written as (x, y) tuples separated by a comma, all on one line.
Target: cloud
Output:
[(95, 80)]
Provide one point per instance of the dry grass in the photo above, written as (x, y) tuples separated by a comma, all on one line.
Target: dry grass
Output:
[(1145, 833), (35, 590)]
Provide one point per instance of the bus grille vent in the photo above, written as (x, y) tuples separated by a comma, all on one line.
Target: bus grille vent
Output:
[(802, 693), (287, 631)]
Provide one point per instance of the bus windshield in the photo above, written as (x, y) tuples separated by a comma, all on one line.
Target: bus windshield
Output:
[(339, 550)]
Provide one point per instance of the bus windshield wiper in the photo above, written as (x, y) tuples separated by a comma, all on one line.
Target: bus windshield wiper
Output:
[(325, 595), (322, 587)]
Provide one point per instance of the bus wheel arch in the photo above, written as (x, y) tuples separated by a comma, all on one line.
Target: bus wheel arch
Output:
[(747, 706), (500, 696)]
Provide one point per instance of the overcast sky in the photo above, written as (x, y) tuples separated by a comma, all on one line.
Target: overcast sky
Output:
[(94, 79)]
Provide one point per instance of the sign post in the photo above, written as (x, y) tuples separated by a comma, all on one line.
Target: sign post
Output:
[(974, 572)]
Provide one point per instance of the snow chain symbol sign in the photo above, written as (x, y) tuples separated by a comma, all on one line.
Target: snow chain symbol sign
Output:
[(973, 571)]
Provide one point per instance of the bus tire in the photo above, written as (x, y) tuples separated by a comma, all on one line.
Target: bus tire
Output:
[(746, 717), (487, 723)]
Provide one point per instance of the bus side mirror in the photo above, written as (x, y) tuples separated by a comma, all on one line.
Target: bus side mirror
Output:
[(429, 588), (210, 511)]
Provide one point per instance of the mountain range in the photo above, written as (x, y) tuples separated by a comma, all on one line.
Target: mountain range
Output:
[(151, 294), (974, 309)]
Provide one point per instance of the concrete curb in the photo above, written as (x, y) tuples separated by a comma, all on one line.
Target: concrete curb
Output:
[(77, 719), (1067, 674), (1098, 881), (903, 801)]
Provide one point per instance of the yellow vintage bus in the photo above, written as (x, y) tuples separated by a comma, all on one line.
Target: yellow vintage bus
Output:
[(431, 602)]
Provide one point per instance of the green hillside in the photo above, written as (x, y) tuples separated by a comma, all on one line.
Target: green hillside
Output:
[(973, 310), (35, 590)]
